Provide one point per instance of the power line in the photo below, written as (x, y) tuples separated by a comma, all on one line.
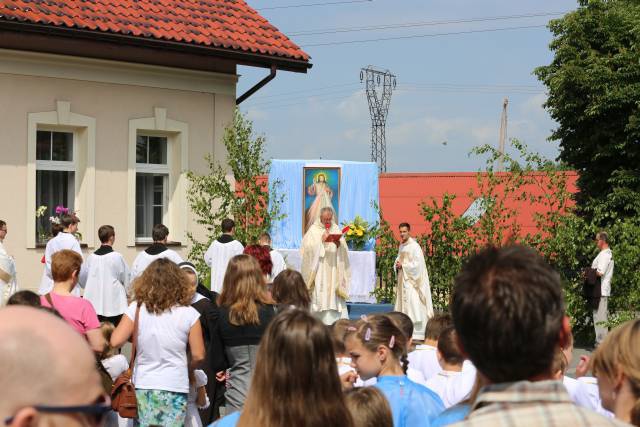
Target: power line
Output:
[(330, 3), (336, 30), (408, 87), (303, 100), (487, 30), (304, 91)]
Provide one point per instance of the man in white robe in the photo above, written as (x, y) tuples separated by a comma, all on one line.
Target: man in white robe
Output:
[(413, 294), (277, 260), (65, 239), (8, 276), (325, 269), (107, 279), (157, 250), (220, 253)]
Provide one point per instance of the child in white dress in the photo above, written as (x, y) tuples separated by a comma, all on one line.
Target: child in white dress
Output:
[(197, 398)]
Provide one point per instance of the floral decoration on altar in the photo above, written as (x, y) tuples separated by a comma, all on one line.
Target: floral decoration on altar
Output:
[(359, 234)]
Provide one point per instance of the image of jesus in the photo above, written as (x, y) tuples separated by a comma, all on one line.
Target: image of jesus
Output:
[(323, 194)]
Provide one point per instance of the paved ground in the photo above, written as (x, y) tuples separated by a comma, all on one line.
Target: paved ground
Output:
[(577, 352)]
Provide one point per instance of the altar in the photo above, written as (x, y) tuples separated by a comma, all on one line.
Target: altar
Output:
[(363, 272), (306, 186)]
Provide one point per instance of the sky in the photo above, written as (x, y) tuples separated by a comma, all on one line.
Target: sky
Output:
[(450, 88)]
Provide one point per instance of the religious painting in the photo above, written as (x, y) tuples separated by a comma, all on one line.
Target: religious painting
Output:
[(321, 189)]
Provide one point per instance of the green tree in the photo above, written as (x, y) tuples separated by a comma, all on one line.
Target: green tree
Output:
[(246, 198), (594, 95)]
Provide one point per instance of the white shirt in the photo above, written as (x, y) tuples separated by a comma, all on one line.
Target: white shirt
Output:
[(425, 360), (60, 242), (107, 283), (588, 396), (161, 362), (604, 264), (217, 257), (572, 385), (279, 265), (143, 260), (451, 386)]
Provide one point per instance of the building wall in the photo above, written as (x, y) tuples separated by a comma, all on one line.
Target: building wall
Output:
[(113, 94)]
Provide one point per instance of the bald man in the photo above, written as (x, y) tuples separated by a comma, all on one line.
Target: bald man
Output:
[(47, 372)]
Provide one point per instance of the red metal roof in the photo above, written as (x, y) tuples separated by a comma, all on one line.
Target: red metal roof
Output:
[(228, 24), (402, 193)]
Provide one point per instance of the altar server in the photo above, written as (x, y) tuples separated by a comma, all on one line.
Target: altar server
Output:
[(107, 279), (65, 239), (277, 259), (325, 269), (157, 250), (413, 294), (220, 253)]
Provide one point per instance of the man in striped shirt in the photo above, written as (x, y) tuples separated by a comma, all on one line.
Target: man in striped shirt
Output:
[(509, 316)]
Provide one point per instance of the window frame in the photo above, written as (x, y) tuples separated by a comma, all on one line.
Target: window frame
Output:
[(154, 169), (177, 134), (83, 129)]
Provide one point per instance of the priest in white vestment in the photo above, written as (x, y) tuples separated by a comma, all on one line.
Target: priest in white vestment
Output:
[(220, 253), (107, 279), (8, 279), (325, 269), (413, 294), (65, 239)]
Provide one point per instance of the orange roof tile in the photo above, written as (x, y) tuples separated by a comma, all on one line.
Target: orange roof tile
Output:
[(227, 24)]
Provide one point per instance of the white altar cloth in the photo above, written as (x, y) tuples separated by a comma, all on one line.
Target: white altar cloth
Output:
[(363, 272)]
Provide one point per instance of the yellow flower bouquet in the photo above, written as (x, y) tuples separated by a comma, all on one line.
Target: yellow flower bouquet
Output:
[(359, 233)]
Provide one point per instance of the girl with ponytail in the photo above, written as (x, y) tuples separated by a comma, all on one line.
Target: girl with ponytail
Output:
[(616, 364), (378, 349)]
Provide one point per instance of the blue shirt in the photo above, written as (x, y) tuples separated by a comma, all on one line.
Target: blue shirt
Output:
[(228, 421), (412, 405), (452, 415)]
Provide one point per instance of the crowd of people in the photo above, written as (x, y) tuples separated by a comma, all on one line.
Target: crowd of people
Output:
[(250, 351)]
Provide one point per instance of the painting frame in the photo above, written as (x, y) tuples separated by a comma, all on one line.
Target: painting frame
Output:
[(333, 178)]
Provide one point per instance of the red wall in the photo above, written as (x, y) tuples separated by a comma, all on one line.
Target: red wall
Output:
[(401, 194)]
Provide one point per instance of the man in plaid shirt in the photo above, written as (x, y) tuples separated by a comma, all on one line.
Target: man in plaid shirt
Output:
[(509, 314)]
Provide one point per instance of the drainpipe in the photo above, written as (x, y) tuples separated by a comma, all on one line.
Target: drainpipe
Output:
[(258, 86)]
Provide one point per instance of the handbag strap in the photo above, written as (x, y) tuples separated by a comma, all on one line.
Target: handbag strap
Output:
[(134, 343)]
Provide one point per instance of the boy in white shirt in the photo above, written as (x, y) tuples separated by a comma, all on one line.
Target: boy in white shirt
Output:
[(65, 239), (450, 383), (424, 357), (220, 253), (158, 249), (107, 279)]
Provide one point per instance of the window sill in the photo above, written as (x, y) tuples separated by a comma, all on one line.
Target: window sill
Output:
[(44, 245), (169, 244)]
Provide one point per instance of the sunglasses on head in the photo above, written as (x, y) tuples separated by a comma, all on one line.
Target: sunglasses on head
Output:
[(95, 413)]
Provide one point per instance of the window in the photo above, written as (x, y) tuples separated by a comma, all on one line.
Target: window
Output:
[(152, 176), (55, 176)]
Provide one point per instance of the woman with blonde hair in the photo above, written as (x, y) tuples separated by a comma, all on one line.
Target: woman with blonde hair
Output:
[(244, 312), (167, 324), (296, 379), (616, 364)]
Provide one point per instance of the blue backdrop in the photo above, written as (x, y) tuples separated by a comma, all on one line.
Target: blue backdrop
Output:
[(358, 192)]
